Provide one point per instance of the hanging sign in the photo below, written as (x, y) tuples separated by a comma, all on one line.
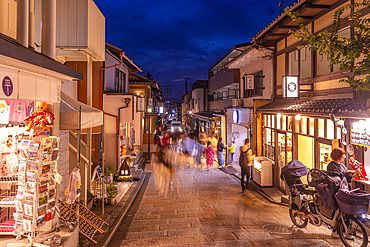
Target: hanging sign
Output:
[(360, 133), (140, 104), (150, 101), (249, 80), (290, 86), (9, 84)]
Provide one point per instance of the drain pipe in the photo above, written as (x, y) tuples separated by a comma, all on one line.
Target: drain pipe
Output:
[(101, 77)]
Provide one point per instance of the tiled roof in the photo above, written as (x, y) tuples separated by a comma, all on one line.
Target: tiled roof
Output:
[(301, 106)]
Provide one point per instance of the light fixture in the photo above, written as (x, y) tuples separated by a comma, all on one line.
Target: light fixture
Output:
[(150, 109), (298, 117), (127, 101), (190, 112), (278, 115)]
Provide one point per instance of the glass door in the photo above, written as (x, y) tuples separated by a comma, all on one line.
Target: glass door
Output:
[(281, 153)]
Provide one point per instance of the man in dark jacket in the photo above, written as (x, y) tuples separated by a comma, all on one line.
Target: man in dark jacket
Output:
[(246, 164), (220, 153)]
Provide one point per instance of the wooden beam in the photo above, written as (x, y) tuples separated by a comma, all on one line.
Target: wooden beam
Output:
[(276, 34), (317, 6), (307, 17), (288, 27)]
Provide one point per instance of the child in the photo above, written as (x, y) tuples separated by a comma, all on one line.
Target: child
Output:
[(209, 153), (232, 151)]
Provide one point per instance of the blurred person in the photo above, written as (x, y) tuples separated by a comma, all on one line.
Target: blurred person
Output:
[(220, 153), (163, 171), (232, 151), (157, 139), (246, 164), (209, 153), (165, 140)]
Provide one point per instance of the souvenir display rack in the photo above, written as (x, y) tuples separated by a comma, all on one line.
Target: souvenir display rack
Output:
[(11, 137), (89, 223), (36, 195)]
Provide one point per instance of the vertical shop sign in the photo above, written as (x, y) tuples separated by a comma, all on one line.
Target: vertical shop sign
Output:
[(141, 104), (7, 86), (250, 81), (290, 86)]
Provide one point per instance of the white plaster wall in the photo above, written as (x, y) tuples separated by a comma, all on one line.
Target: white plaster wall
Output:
[(70, 88), (266, 67), (109, 74), (199, 95)]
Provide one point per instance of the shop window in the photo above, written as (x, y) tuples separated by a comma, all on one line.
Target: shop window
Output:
[(225, 95), (305, 63), (290, 124), (330, 129), (345, 32), (297, 125), (289, 147), (232, 94), (278, 121), (219, 96), (268, 120), (323, 64), (120, 81), (311, 126), (325, 151), (283, 123), (293, 63), (321, 128), (272, 121), (264, 120), (304, 125)]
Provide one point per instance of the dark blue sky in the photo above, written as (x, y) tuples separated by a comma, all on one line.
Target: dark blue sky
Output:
[(176, 39)]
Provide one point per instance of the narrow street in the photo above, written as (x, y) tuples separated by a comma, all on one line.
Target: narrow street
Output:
[(207, 209)]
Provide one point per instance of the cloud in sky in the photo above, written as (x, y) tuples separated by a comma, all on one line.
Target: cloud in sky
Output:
[(176, 39)]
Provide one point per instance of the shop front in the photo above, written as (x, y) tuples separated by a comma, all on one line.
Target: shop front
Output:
[(358, 151), (238, 128), (302, 134)]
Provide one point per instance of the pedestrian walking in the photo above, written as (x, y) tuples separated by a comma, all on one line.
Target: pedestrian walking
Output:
[(232, 151), (165, 140), (220, 153), (209, 153), (246, 164)]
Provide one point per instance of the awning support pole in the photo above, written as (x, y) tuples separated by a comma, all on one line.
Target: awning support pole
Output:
[(102, 162)]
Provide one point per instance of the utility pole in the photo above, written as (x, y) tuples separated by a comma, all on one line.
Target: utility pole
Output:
[(186, 85), (167, 88)]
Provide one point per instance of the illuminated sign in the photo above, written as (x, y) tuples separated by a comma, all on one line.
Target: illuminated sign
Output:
[(141, 104), (235, 116), (161, 109), (290, 86), (360, 132)]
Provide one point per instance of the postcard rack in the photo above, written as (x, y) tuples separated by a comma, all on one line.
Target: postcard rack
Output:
[(36, 195), (89, 223)]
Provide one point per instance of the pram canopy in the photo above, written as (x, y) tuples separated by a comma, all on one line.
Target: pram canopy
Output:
[(294, 169)]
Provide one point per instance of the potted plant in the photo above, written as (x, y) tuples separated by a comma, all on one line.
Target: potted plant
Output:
[(109, 174), (112, 191)]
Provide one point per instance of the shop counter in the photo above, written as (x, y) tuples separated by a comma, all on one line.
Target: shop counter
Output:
[(262, 171)]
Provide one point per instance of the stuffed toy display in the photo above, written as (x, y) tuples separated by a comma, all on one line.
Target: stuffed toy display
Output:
[(40, 117)]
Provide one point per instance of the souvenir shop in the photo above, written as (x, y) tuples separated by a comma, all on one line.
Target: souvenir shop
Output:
[(309, 139), (358, 151), (29, 154)]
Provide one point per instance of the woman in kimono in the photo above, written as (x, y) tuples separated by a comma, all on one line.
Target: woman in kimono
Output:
[(209, 152)]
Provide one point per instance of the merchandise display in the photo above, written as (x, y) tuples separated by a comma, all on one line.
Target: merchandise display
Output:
[(35, 198)]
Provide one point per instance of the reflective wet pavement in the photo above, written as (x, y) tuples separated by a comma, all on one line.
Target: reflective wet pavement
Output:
[(207, 209)]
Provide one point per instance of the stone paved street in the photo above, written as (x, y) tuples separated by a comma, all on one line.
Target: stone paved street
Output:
[(207, 209)]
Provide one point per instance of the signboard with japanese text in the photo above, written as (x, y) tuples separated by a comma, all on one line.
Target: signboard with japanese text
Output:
[(249, 80), (140, 104), (360, 133)]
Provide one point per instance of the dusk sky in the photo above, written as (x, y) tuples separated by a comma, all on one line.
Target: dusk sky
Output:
[(176, 39)]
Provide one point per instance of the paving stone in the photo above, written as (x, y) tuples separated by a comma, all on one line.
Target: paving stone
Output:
[(173, 216), (163, 212), (181, 232), (148, 222), (184, 220), (141, 235), (206, 224), (208, 230), (232, 243), (174, 226), (143, 228), (146, 217), (223, 236), (257, 235)]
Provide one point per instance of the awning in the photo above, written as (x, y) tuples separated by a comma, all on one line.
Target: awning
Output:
[(206, 115), (69, 114), (321, 106)]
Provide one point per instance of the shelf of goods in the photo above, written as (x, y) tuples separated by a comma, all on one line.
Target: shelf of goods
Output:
[(262, 171), (35, 196)]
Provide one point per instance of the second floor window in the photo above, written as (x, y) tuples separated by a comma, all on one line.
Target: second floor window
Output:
[(120, 81), (258, 86)]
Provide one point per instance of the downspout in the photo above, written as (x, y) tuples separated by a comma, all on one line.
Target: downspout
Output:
[(101, 77)]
